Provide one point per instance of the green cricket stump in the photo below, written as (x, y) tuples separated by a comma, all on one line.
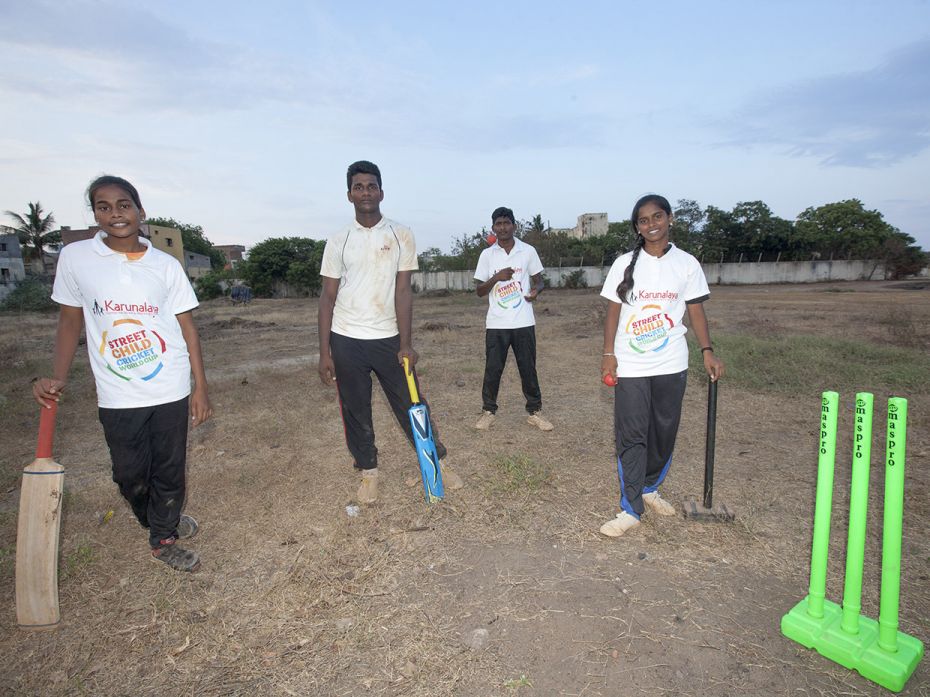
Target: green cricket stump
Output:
[(891, 660), (806, 621), (876, 650), (844, 641)]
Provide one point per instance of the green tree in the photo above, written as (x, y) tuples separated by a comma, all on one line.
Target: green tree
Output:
[(901, 257), (294, 260), (193, 239), (688, 226), (620, 239), (35, 230), (536, 225), (717, 234), (429, 260), (844, 230), (758, 232)]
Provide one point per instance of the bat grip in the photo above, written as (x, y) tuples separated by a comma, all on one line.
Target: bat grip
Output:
[(710, 444), (411, 383), (46, 431)]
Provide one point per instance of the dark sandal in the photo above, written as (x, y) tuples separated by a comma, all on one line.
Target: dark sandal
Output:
[(187, 527), (177, 558)]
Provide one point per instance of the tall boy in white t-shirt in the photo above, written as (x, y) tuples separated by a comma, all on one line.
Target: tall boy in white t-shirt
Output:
[(509, 272), (365, 322)]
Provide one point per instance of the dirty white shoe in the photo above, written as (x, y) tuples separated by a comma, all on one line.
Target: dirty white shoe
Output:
[(616, 527), (485, 420), (539, 421), (368, 490), (450, 479), (657, 504)]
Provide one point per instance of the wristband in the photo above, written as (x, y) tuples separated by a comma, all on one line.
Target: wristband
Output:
[(607, 354), (707, 348)]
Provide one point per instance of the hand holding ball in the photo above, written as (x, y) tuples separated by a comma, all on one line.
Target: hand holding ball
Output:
[(610, 380)]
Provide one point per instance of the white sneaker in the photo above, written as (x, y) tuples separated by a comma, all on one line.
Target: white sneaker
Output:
[(368, 490), (658, 505), (616, 527), (485, 420), (539, 421)]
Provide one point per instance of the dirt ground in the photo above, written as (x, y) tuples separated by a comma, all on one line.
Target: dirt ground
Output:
[(506, 587)]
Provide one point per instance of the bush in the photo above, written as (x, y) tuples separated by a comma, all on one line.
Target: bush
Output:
[(575, 279), (208, 286), (30, 295)]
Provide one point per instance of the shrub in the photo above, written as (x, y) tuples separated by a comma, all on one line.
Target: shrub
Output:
[(31, 295), (208, 286), (575, 279)]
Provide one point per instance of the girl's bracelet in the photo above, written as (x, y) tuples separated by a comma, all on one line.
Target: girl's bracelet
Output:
[(707, 348), (607, 354)]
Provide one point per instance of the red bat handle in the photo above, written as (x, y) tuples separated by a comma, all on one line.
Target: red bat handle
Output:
[(46, 431)]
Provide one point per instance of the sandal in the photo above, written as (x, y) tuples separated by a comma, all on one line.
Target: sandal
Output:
[(177, 558), (187, 527)]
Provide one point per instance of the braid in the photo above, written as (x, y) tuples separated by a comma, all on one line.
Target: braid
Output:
[(626, 285)]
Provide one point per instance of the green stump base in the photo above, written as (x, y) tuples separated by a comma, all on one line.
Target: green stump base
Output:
[(844, 648), (891, 670), (859, 652), (800, 626)]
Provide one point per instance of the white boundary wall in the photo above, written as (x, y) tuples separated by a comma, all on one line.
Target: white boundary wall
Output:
[(746, 273)]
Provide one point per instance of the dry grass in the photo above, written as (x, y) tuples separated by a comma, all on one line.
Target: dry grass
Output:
[(297, 598)]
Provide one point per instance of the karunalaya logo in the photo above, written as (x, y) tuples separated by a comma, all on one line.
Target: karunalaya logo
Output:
[(111, 307)]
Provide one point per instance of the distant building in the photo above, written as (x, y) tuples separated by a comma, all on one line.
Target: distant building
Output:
[(589, 225), (196, 265), (12, 269), (167, 239), (232, 252), (68, 235)]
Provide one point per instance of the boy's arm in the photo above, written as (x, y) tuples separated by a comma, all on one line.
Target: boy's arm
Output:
[(537, 288), (70, 322), (324, 324), (200, 400), (403, 307)]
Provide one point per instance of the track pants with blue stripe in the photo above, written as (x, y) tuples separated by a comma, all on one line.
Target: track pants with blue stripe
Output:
[(647, 412)]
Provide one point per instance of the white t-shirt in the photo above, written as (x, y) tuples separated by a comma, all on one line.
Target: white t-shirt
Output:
[(366, 261), (507, 306), (651, 337), (134, 341)]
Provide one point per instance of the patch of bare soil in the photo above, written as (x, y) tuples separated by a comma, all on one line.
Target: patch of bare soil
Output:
[(506, 587)]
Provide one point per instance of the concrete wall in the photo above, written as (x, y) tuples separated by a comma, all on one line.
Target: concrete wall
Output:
[(746, 273), (749, 273)]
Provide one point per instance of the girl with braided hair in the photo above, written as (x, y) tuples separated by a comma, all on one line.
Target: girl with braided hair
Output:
[(646, 354)]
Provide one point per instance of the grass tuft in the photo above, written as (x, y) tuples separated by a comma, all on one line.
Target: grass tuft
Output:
[(520, 473)]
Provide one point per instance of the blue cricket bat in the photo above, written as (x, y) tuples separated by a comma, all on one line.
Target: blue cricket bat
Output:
[(423, 441)]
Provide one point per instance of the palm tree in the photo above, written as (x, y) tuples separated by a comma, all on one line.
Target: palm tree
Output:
[(34, 230)]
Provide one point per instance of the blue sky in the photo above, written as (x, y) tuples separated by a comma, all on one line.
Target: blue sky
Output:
[(244, 120)]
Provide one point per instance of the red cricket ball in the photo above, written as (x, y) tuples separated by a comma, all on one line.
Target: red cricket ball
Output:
[(610, 380), (491, 239)]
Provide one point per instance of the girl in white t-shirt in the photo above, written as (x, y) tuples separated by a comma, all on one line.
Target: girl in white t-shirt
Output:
[(646, 355), (134, 303)]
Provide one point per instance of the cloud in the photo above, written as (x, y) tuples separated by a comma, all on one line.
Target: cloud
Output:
[(871, 118), (106, 56)]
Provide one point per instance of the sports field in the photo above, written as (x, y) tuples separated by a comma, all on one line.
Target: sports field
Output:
[(506, 588)]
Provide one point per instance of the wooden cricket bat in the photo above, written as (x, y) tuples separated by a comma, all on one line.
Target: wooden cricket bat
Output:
[(423, 441), (37, 534)]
